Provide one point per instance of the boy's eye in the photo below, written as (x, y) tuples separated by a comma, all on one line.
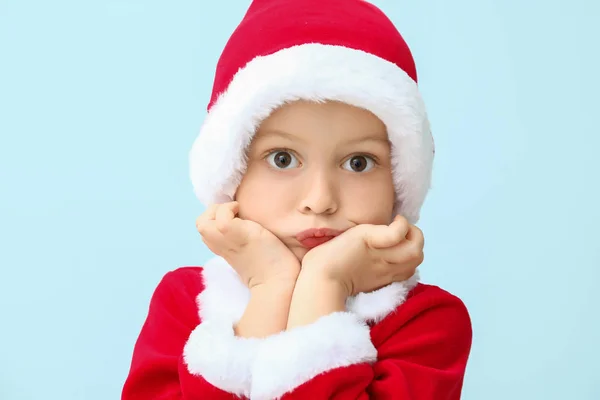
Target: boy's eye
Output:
[(282, 160), (359, 163)]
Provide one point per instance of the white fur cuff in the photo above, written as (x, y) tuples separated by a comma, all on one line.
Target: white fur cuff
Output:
[(222, 359), (289, 359)]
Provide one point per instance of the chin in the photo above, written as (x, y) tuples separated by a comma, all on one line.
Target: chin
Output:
[(299, 252)]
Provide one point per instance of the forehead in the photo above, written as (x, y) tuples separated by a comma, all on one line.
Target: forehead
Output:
[(304, 119)]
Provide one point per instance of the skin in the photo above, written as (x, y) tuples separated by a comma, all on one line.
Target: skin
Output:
[(312, 165), (322, 190)]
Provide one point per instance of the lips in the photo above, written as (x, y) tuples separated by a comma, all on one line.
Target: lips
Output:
[(316, 236)]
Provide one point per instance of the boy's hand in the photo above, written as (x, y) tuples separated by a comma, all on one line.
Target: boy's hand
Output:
[(368, 257), (256, 254)]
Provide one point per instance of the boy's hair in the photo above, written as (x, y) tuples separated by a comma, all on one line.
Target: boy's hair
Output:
[(343, 50)]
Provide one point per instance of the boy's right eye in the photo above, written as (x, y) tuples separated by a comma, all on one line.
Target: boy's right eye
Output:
[(282, 159)]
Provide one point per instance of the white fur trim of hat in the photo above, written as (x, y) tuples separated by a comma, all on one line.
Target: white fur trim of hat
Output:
[(284, 51)]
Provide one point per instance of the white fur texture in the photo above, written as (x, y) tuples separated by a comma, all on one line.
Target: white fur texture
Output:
[(225, 296), (375, 306), (222, 359), (243, 366), (315, 72), (213, 351), (291, 358)]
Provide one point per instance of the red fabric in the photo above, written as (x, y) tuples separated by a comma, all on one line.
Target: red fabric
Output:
[(423, 349), (273, 25), (157, 369)]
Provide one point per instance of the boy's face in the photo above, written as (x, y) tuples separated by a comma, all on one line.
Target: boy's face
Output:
[(317, 165)]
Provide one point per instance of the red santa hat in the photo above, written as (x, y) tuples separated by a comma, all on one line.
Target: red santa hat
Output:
[(339, 50)]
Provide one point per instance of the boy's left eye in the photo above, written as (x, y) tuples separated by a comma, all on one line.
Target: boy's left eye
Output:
[(359, 163)]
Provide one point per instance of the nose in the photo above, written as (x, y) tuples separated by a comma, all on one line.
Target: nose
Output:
[(320, 195)]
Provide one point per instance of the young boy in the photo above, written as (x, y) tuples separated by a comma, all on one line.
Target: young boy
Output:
[(314, 161)]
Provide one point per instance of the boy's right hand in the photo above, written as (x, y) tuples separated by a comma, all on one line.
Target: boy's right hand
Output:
[(258, 256)]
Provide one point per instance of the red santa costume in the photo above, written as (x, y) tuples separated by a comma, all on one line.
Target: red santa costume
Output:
[(405, 341)]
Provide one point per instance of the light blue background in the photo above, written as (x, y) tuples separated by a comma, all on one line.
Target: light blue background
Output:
[(100, 102)]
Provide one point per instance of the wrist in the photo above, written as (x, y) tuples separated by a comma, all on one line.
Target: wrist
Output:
[(322, 276), (315, 296), (267, 310), (273, 288), (274, 275)]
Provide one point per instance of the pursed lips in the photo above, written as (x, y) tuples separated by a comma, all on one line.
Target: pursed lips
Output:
[(314, 237)]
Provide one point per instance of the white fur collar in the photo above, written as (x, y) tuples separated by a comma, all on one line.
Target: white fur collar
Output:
[(225, 297)]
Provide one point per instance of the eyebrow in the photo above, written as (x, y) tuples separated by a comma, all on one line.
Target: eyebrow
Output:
[(276, 132), (371, 138), (384, 140)]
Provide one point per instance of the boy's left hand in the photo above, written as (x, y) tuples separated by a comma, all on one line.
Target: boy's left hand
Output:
[(367, 257)]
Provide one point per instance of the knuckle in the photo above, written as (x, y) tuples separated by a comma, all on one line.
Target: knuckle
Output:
[(399, 234), (402, 226), (415, 252), (210, 210), (420, 258), (419, 237), (223, 227), (417, 231), (402, 221)]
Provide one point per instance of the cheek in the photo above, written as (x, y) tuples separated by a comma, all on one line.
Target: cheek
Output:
[(262, 197), (369, 200)]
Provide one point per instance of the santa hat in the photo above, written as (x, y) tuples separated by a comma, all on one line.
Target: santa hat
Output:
[(339, 50)]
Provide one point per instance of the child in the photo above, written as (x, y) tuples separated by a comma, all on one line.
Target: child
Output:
[(314, 161)]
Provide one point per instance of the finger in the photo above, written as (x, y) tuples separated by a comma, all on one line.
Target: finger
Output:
[(208, 215), (209, 244), (415, 235), (407, 253), (400, 225), (210, 212), (238, 231), (382, 236), (399, 272), (212, 237), (225, 214), (232, 227)]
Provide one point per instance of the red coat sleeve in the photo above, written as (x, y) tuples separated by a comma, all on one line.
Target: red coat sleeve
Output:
[(419, 352), (176, 357)]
